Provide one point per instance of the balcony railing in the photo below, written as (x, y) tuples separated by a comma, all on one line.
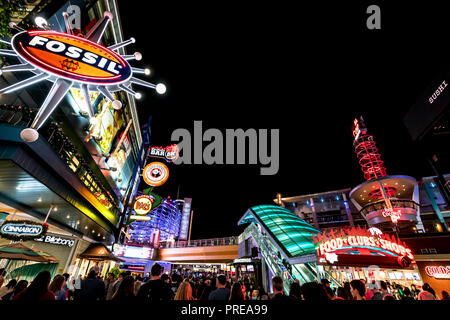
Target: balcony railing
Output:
[(395, 204), (199, 243)]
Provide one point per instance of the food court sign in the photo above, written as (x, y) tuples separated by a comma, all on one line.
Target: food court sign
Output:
[(22, 230), (438, 272), (336, 243)]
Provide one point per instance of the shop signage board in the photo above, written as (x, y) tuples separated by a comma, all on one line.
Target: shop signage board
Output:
[(185, 219), (361, 245), (143, 204), (56, 240), (169, 153), (72, 61), (22, 230), (438, 272), (155, 174)]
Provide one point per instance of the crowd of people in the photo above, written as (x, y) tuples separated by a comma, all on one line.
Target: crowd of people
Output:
[(159, 286)]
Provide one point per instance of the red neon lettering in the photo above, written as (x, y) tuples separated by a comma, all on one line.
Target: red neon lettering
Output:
[(409, 254), (333, 244), (351, 241)]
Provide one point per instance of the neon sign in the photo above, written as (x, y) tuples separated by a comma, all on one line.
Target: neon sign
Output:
[(395, 214), (438, 272), (169, 153), (143, 205), (348, 239), (22, 230), (155, 174), (71, 61)]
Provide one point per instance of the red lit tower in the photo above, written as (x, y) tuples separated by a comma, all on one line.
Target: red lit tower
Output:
[(387, 202)]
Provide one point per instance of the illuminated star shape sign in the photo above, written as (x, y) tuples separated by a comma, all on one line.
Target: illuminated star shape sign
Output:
[(331, 257), (70, 61)]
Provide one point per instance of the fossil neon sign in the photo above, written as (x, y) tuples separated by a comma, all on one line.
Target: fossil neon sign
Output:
[(70, 61)]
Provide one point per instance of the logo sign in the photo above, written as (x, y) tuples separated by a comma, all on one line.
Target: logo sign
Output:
[(56, 240), (355, 238), (438, 272), (155, 174), (71, 57), (23, 229), (143, 205), (395, 214), (170, 153)]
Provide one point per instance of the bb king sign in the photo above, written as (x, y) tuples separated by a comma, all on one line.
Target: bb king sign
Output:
[(71, 57)]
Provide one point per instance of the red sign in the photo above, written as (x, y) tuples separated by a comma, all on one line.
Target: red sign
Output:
[(170, 153), (71, 57), (143, 204), (438, 272), (346, 242)]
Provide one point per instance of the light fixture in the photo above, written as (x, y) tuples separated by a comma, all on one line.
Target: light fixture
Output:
[(78, 222), (19, 188), (39, 199), (98, 235), (93, 231), (86, 227), (41, 22), (68, 216), (137, 56), (161, 88), (138, 95), (55, 209), (147, 71)]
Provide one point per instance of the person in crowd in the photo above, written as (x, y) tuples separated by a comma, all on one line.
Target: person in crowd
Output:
[(20, 286), (38, 289), (414, 291), (125, 292), (184, 291), (66, 288), (348, 290), (382, 292), (206, 291), (165, 278), (2, 276), (118, 281), (358, 290), (427, 293), (325, 283), (313, 291), (236, 292), (278, 289), (155, 289), (175, 282), (109, 286), (262, 295), (295, 291), (445, 295), (8, 288), (77, 285), (137, 284), (389, 297), (255, 294), (407, 294), (221, 293), (92, 288), (70, 287), (331, 295), (342, 293), (57, 287), (369, 293)]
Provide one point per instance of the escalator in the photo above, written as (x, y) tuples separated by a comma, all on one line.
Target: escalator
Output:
[(304, 272)]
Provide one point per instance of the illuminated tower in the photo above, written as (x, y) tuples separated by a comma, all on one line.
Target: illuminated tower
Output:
[(387, 202)]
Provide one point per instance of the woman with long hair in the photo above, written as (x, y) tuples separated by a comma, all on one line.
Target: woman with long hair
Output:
[(38, 289), (20, 286), (125, 290), (8, 288), (184, 291), (295, 291), (57, 287), (236, 292)]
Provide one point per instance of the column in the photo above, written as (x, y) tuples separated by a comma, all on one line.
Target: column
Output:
[(347, 210)]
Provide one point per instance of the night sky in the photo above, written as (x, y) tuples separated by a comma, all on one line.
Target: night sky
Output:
[(307, 71)]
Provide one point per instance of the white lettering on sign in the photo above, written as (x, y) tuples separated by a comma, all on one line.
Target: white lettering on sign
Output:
[(21, 229), (438, 91), (56, 240)]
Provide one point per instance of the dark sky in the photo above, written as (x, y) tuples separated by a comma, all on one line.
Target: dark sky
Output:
[(306, 70)]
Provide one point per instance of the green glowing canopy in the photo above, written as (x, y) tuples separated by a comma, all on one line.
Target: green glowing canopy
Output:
[(292, 233)]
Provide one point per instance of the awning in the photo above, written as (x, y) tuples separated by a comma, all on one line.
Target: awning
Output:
[(98, 251)]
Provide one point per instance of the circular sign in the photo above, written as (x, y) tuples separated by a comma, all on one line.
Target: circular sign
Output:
[(155, 174), (71, 57), (142, 205)]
